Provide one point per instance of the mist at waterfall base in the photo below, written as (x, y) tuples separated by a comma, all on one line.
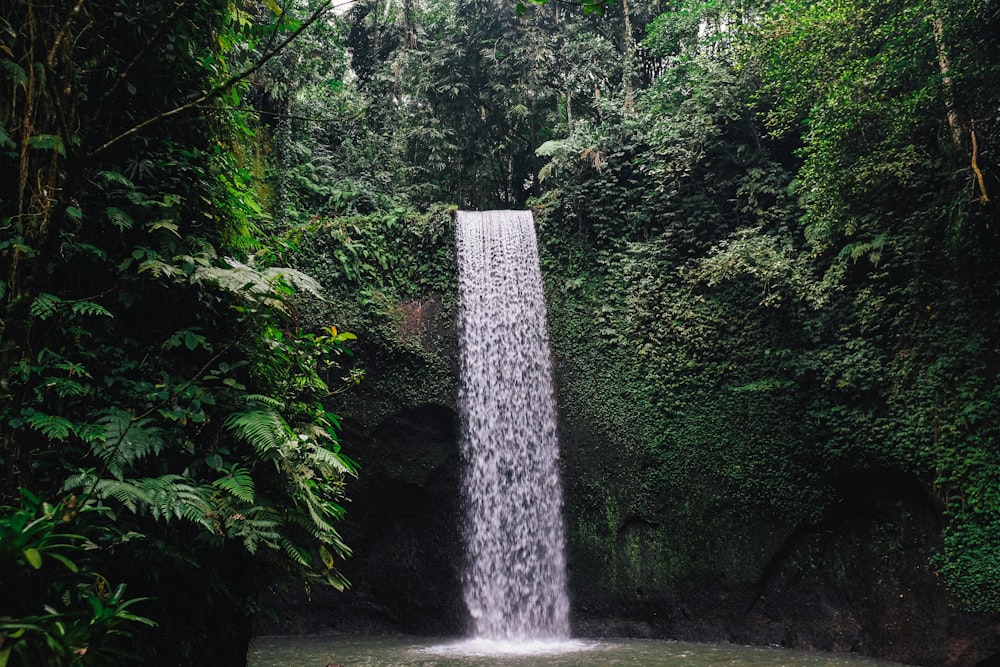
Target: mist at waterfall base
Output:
[(411, 652)]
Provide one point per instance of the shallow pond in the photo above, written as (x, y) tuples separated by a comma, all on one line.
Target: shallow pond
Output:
[(397, 652)]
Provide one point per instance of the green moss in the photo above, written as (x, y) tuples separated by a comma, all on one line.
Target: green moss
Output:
[(392, 281)]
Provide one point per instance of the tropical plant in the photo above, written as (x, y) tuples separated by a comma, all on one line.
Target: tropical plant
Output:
[(147, 366), (56, 610)]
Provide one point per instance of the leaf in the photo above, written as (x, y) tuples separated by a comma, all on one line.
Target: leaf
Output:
[(70, 565), (52, 426), (90, 308), (66, 387), (265, 430), (15, 72), (230, 382), (191, 340), (34, 557), (119, 218), (125, 441), (238, 483), (164, 224), (45, 305), (47, 142), (337, 580), (5, 140), (116, 177), (326, 557), (74, 212)]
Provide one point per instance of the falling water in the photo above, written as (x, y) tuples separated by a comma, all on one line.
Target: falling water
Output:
[(515, 579)]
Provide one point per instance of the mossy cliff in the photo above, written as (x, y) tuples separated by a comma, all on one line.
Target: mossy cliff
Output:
[(701, 501)]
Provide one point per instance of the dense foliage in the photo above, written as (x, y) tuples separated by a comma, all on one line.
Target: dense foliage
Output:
[(160, 409), (768, 232), (780, 363)]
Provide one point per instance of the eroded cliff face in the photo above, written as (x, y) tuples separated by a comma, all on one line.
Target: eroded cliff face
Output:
[(649, 555)]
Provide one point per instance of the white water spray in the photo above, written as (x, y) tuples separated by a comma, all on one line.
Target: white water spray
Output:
[(515, 578)]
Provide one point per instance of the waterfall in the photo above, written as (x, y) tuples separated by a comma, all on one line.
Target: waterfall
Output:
[(515, 576)]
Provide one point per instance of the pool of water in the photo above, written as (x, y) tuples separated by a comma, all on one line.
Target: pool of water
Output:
[(409, 652)]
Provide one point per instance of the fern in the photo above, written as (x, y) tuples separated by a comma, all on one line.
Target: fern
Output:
[(67, 388), (45, 305), (332, 461), (235, 277), (116, 177), (158, 268), (269, 401), (246, 280), (51, 426), (173, 496), (871, 250), (125, 441), (126, 493), (296, 279), (295, 553), (119, 218), (89, 308), (256, 525), (90, 432), (238, 483), (165, 498), (265, 430)]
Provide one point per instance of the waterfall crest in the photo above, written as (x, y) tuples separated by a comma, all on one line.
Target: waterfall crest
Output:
[(515, 576)]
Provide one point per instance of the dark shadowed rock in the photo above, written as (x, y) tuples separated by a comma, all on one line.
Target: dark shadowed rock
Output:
[(403, 526)]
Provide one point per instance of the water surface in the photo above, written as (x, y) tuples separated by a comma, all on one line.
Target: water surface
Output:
[(410, 652)]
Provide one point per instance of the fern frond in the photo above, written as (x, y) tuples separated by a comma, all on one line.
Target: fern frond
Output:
[(66, 387), (237, 278), (158, 268), (265, 430), (90, 308), (238, 483), (330, 463), (246, 280), (90, 433), (257, 525), (115, 177), (173, 496), (269, 401), (45, 305), (126, 441), (295, 553), (119, 218), (51, 426), (297, 280), (131, 496)]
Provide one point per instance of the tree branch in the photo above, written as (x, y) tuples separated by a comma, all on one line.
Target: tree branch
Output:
[(221, 88), (983, 199), (51, 58)]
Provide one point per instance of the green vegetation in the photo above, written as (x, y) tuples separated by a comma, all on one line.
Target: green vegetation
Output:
[(152, 374), (768, 230)]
